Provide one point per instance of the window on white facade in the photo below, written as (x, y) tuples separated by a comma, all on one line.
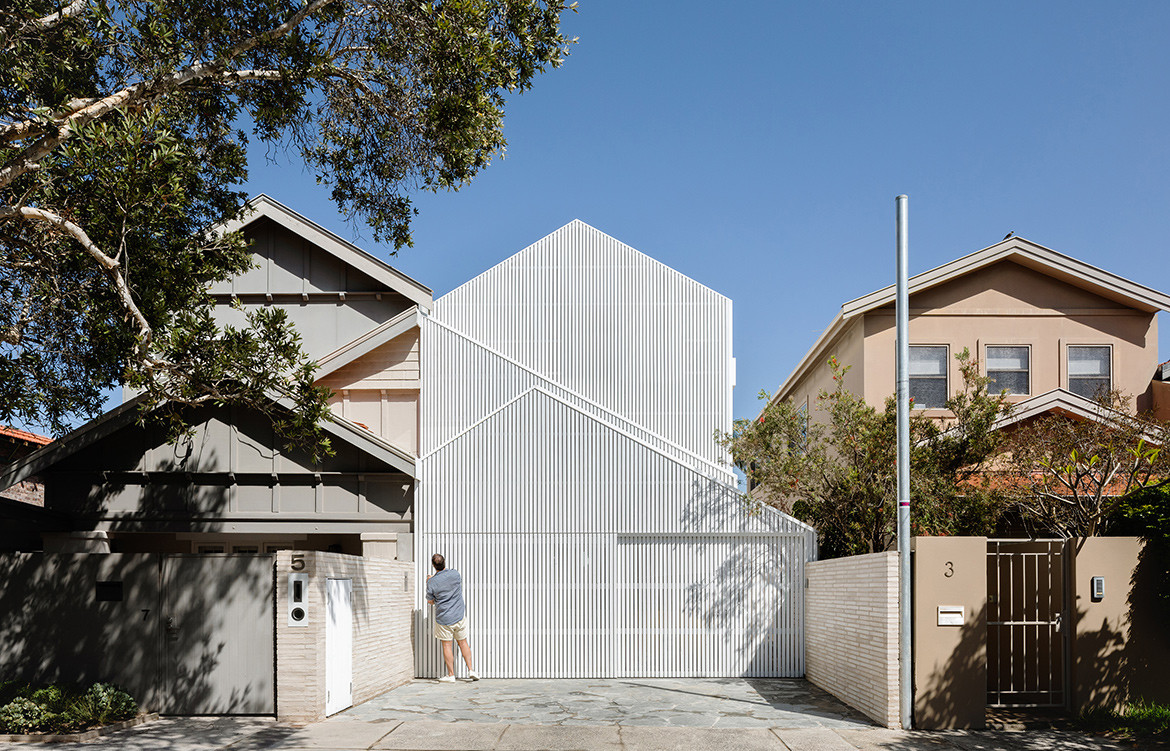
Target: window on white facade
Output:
[(1089, 370), (928, 376), (1008, 368)]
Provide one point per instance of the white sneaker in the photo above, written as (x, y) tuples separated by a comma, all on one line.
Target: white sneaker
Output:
[(447, 679), (474, 675)]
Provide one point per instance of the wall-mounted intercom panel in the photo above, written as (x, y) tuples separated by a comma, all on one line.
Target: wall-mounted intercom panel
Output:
[(298, 599), (1098, 587)]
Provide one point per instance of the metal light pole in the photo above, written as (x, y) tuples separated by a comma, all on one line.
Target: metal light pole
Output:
[(902, 317)]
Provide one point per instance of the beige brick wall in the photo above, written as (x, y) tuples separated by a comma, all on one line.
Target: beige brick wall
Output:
[(851, 632), (383, 655)]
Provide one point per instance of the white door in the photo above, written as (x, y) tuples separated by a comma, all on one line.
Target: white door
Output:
[(338, 645)]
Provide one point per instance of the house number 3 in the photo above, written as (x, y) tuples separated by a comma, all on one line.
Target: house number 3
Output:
[(950, 570)]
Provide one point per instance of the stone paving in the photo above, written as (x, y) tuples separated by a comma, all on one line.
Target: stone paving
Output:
[(584, 715), (634, 702)]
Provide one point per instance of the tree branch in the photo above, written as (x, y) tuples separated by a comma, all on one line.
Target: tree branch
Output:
[(49, 21), (42, 147), (111, 267)]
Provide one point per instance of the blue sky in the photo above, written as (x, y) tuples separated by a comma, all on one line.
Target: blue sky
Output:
[(758, 148)]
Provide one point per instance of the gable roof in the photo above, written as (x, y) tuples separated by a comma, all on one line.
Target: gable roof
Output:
[(126, 413), (1031, 255), (262, 206), (560, 239), (1064, 402), (1016, 249), (368, 342)]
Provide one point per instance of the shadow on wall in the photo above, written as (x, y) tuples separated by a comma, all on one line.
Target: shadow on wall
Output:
[(1124, 659), (1148, 650), (947, 698), (162, 628), (750, 587)]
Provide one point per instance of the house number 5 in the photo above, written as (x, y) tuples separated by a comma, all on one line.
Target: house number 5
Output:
[(298, 563), (950, 570)]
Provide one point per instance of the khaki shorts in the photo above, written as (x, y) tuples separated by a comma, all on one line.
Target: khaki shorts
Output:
[(455, 632)]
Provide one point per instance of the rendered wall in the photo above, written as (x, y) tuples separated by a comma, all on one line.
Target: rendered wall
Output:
[(1008, 304), (383, 600), (950, 661), (851, 632), (1121, 652)]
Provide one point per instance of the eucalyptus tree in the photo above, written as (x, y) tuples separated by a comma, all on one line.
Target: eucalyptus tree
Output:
[(124, 134)]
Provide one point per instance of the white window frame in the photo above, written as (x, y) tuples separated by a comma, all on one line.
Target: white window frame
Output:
[(946, 375), (1068, 376), (987, 368)]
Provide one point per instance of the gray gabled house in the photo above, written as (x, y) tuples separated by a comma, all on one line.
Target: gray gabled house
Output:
[(116, 485)]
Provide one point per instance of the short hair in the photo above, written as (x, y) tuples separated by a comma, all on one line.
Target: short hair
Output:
[(438, 561)]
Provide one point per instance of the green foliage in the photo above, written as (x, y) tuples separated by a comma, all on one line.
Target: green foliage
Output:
[(1139, 720), (124, 129), (837, 468), (1072, 474), (102, 704), (1145, 513), (22, 715), (62, 708)]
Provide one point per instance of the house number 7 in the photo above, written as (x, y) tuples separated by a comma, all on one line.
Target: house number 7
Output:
[(950, 569)]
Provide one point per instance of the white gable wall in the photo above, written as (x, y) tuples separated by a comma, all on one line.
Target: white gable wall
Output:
[(612, 324)]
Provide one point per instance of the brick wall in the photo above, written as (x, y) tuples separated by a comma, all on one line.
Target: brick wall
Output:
[(383, 655), (29, 491), (851, 632)]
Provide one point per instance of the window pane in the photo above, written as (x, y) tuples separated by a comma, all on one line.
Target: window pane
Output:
[(928, 361), (1014, 381), (928, 393), (1007, 358), (1088, 387), (1088, 361)]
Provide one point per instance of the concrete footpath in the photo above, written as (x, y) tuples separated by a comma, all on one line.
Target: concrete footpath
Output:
[(249, 734)]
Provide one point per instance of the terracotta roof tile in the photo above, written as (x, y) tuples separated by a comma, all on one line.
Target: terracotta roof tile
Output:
[(22, 435)]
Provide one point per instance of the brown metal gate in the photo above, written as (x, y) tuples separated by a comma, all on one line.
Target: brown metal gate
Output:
[(1027, 624)]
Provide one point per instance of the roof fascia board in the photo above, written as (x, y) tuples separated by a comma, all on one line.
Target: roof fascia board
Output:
[(264, 206), (120, 416), (368, 342), (1066, 402), (362, 439), (1032, 255), (69, 444), (827, 337)]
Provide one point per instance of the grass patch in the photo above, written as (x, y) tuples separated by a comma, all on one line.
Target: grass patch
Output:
[(1140, 720), (61, 708)]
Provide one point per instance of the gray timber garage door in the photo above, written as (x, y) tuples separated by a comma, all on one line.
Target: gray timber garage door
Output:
[(218, 635)]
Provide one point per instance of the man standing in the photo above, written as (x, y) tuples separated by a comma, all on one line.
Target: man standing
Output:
[(445, 592)]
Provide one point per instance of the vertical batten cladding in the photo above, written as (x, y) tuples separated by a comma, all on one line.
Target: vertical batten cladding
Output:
[(611, 324), (567, 469), (589, 553)]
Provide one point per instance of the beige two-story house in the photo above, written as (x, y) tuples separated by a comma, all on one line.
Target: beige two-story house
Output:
[(1049, 329)]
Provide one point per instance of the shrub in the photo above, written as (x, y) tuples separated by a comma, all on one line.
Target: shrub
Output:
[(62, 707), (22, 715), (103, 703)]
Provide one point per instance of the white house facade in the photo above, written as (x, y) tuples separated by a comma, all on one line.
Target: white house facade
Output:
[(567, 468)]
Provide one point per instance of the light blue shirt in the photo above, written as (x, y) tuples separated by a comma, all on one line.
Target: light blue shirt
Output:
[(446, 589)]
